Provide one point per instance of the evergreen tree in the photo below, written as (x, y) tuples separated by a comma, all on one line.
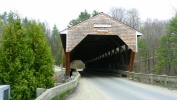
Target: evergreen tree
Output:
[(4, 16), (172, 30), (162, 55), (95, 13), (43, 62), (142, 51), (167, 50), (1, 24), (73, 22), (16, 60), (142, 48), (82, 17), (26, 60), (56, 46), (3, 19)]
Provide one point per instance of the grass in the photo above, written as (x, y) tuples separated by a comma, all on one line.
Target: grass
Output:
[(63, 95), (169, 85)]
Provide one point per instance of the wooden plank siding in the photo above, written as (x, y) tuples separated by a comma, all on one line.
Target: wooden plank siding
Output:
[(77, 33)]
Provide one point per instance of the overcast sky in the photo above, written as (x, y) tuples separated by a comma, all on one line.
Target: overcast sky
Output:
[(60, 12)]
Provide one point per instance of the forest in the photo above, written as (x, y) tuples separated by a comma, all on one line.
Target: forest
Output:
[(29, 49)]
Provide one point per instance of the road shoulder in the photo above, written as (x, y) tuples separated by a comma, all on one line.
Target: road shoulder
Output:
[(86, 91)]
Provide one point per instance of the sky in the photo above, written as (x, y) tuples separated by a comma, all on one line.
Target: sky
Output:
[(61, 12)]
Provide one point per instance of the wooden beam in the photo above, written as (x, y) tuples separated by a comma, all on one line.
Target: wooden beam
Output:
[(117, 44), (132, 56), (68, 64), (121, 55), (126, 54), (63, 58)]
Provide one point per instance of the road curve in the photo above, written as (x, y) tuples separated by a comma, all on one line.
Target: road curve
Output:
[(115, 88)]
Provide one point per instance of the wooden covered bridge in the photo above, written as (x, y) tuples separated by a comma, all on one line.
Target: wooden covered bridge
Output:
[(100, 42)]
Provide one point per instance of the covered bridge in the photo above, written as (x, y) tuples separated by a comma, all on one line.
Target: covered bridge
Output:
[(100, 42)]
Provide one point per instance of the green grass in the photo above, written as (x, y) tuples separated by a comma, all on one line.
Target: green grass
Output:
[(168, 85), (171, 86), (63, 95), (53, 99)]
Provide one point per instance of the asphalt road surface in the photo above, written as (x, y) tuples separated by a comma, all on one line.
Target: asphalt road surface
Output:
[(101, 87)]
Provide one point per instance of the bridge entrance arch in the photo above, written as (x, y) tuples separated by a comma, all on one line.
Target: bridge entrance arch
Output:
[(101, 43)]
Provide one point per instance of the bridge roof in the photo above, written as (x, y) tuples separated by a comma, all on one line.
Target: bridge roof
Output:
[(97, 35)]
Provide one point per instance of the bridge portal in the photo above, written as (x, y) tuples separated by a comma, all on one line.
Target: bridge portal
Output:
[(100, 42)]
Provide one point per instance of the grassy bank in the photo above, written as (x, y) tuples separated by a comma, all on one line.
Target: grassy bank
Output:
[(63, 95)]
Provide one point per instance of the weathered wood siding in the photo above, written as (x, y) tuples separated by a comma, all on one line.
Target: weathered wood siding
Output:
[(77, 33)]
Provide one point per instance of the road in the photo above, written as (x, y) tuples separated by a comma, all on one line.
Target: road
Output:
[(115, 88)]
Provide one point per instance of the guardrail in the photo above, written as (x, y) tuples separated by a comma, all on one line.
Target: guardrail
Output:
[(55, 91), (149, 78)]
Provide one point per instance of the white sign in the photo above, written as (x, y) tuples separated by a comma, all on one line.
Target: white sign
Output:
[(102, 25), (102, 30)]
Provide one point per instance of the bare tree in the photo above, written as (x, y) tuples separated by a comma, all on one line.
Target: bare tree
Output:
[(133, 19), (129, 17), (152, 31), (118, 13)]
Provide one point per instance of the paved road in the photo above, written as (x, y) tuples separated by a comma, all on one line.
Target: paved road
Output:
[(115, 88)]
